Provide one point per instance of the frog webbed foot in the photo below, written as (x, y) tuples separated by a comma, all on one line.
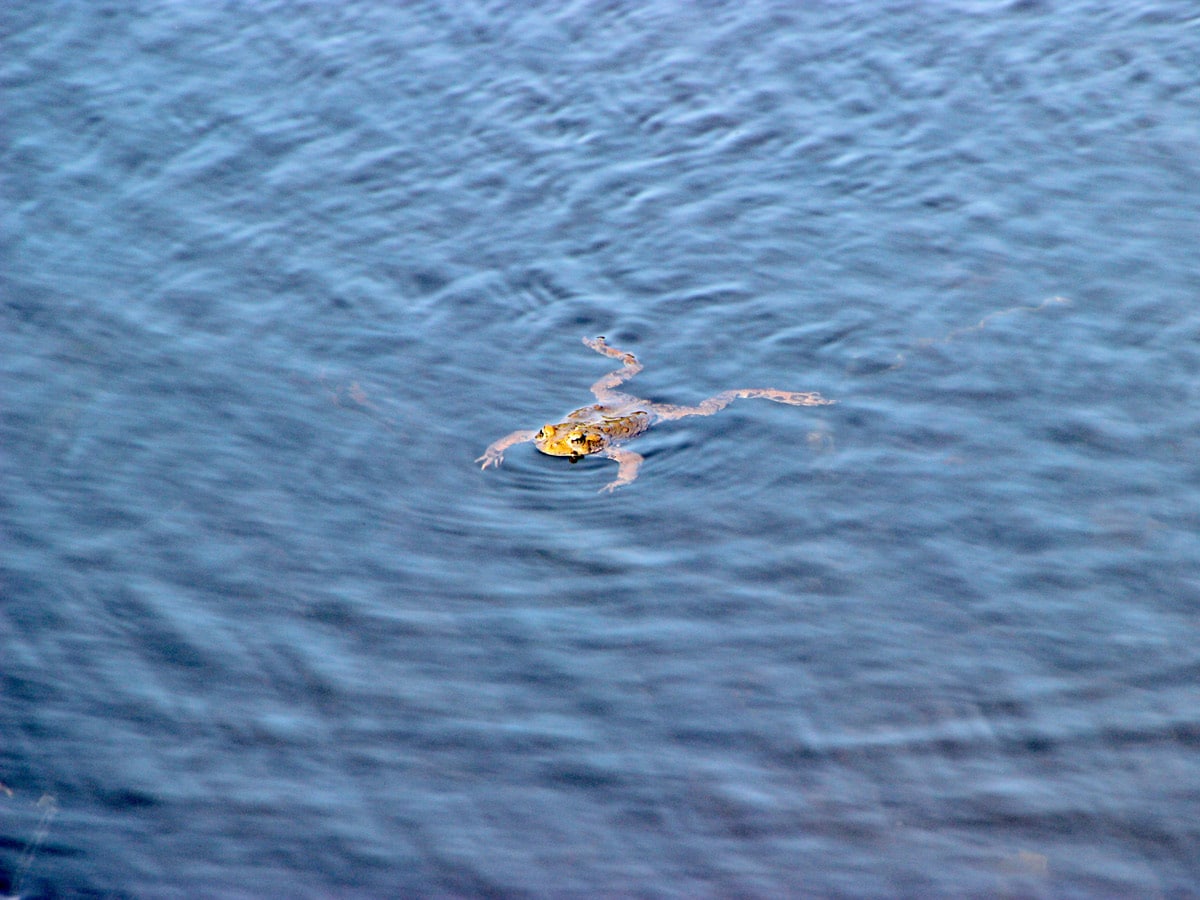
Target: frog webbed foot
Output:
[(494, 454), (491, 458)]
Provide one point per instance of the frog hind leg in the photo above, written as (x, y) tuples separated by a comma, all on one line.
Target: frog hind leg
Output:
[(603, 389), (628, 462), (494, 454), (722, 400)]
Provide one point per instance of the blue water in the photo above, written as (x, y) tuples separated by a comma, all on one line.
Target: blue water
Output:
[(273, 275)]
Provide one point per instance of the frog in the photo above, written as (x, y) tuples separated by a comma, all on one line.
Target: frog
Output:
[(617, 417)]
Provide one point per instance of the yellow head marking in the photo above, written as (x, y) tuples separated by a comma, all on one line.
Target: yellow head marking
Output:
[(569, 440)]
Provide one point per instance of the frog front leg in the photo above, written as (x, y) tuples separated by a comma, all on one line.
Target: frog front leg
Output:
[(494, 454), (628, 462)]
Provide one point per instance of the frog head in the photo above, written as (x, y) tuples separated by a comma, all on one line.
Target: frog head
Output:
[(569, 439)]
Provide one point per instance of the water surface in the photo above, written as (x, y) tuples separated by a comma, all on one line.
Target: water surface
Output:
[(273, 275)]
